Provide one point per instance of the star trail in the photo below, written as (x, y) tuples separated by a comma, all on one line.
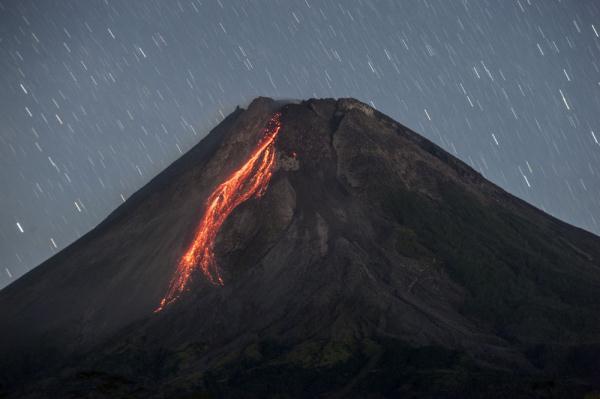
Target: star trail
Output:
[(98, 97)]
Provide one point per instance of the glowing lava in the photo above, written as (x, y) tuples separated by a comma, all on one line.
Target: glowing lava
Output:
[(251, 179)]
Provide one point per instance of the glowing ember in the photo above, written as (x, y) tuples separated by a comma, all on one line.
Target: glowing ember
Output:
[(249, 180)]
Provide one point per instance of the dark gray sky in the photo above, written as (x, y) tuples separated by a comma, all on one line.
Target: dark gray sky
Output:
[(96, 97)]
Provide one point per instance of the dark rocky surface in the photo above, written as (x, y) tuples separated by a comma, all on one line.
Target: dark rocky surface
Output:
[(375, 265)]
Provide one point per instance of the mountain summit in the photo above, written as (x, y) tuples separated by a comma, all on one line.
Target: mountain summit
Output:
[(311, 249)]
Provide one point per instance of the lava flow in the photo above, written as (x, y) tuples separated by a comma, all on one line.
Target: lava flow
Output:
[(251, 179)]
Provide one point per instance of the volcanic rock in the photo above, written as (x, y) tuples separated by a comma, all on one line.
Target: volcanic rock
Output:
[(375, 264)]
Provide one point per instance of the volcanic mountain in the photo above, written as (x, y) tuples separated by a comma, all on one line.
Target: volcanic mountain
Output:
[(311, 249)]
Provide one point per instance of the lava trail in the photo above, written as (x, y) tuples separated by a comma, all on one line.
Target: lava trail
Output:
[(251, 179)]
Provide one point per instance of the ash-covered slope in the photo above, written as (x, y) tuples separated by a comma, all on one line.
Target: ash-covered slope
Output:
[(374, 263)]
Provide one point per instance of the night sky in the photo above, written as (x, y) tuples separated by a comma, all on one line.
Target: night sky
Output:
[(97, 97)]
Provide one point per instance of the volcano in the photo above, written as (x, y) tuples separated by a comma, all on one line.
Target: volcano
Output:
[(311, 249)]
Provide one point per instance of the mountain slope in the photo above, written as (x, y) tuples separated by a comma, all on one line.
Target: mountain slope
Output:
[(373, 263)]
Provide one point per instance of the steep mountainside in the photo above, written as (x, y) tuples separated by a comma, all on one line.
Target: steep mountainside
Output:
[(313, 249)]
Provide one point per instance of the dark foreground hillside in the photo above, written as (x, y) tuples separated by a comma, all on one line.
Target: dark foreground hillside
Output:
[(373, 264)]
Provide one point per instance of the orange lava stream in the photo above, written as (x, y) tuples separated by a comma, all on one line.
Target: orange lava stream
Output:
[(251, 179)]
